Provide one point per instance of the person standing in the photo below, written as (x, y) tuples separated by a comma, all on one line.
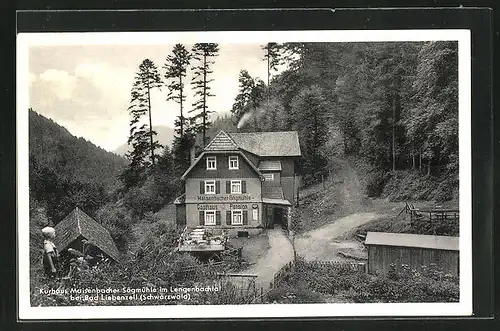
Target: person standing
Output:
[(50, 253)]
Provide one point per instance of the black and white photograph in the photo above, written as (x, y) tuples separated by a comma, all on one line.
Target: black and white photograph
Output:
[(244, 174)]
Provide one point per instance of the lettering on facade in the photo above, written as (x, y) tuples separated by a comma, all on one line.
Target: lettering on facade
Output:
[(234, 206), (224, 198), (207, 207)]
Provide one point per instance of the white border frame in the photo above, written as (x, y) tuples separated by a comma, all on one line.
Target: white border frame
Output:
[(462, 308)]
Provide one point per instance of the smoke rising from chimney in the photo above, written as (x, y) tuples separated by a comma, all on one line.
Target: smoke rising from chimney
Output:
[(244, 119)]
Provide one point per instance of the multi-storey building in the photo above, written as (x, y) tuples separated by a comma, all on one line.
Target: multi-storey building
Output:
[(241, 182)]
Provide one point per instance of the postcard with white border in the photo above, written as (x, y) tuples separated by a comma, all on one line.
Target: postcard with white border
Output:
[(244, 174)]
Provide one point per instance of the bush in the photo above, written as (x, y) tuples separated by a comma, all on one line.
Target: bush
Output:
[(415, 186), (290, 294), (408, 286), (118, 220), (376, 183), (306, 280)]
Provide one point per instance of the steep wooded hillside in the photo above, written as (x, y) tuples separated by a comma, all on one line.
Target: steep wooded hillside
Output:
[(66, 171)]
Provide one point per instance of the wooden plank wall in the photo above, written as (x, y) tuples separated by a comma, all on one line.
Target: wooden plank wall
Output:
[(381, 257)]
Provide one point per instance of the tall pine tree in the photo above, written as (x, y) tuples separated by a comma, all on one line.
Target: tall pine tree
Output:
[(250, 96), (309, 112), (273, 58), (176, 65), (203, 54), (141, 137)]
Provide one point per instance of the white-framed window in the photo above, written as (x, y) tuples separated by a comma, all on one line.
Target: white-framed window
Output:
[(235, 186), (211, 162), (236, 217), (268, 177), (233, 162), (255, 214), (210, 187), (210, 218)]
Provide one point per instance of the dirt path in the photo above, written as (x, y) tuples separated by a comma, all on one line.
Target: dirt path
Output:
[(321, 243), (280, 252)]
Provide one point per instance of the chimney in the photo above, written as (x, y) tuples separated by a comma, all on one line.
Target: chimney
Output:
[(191, 154)]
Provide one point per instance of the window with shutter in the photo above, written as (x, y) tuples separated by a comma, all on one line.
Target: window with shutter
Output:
[(202, 187), (228, 186), (217, 217), (202, 218), (210, 217), (228, 217), (217, 187), (243, 186), (236, 187), (210, 187), (236, 217)]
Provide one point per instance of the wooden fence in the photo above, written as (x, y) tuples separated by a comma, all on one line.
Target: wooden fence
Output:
[(431, 215)]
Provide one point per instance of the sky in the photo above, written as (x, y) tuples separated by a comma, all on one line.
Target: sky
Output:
[(86, 88)]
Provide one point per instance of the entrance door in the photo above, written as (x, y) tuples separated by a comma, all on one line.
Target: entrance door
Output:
[(279, 217), (269, 217)]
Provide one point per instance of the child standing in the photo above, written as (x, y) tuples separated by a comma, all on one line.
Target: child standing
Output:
[(50, 254)]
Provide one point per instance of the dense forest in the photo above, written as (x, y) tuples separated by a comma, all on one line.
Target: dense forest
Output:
[(393, 104)]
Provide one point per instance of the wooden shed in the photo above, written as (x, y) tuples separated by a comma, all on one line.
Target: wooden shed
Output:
[(78, 228), (416, 251)]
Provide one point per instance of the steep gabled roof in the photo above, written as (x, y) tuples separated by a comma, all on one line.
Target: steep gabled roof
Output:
[(79, 223), (222, 142), (283, 143)]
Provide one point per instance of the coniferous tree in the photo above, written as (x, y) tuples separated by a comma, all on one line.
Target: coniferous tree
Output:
[(202, 54), (309, 112), (141, 137), (273, 58), (433, 120), (176, 65), (249, 98)]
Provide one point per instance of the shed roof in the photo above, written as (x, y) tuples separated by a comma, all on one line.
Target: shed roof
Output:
[(281, 202), (79, 223), (272, 192), (281, 143), (269, 165), (412, 240)]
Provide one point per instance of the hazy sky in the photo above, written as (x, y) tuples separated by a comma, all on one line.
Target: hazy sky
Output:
[(86, 88)]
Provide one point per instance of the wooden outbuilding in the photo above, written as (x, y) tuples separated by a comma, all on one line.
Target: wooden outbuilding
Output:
[(81, 232), (413, 250)]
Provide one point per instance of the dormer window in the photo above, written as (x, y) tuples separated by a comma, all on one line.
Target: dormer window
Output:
[(211, 163), (233, 162), (268, 177)]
